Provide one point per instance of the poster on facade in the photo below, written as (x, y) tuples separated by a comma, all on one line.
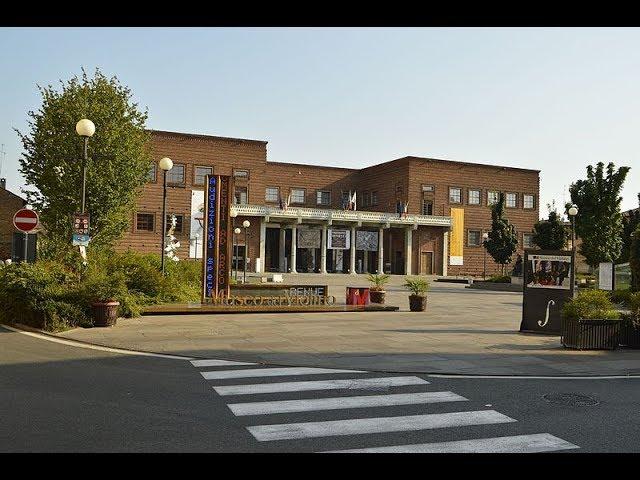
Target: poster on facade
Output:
[(456, 238), (549, 271), (339, 239), (309, 238), (605, 276), (367, 241), (197, 221)]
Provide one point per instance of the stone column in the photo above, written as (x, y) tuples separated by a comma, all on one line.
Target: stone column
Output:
[(408, 251), (323, 250), (380, 250), (365, 264), (263, 239), (445, 252), (294, 247), (352, 262), (282, 250)]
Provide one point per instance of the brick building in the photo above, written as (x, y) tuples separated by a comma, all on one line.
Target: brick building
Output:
[(414, 215), (10, 203)]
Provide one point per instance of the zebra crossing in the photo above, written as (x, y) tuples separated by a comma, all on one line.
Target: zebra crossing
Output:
[(357, 400)]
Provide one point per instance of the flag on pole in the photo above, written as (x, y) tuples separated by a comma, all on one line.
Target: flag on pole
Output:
[(280, 202), (354, 205), (406, 209), (286, 205)]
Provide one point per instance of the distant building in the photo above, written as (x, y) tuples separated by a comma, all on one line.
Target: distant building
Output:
[(10, 203)]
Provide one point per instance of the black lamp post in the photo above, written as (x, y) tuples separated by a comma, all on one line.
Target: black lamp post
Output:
[(85, 128), (573, 211), (236, 231), (246, 224), (165, 165), (485, 236)]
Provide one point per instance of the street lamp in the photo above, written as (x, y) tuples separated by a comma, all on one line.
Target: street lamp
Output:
[(236, 231), (246, 224), (165, 165), (85, 128), (573, 211), (485, 236)]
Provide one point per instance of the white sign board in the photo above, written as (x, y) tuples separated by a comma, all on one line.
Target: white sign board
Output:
[(605, 276), (197, 220)]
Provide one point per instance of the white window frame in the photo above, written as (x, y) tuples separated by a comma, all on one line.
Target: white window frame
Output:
[(277, 194)]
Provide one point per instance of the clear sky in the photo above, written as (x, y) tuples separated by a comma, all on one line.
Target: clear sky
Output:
[(546, 98)]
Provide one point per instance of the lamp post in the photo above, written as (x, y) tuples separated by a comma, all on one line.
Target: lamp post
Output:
[(236, 231), (573, 211), (246, 224), (85, 128), (485, 236), (165, 165)]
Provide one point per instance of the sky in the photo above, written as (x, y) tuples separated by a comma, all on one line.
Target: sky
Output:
[(553, 99)]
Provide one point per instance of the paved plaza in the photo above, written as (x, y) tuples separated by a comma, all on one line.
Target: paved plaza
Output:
[(463, 331)]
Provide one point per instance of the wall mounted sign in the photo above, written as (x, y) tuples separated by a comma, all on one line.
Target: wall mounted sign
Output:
[(309, 238), (547, 286), (367, 241), (338, 239)]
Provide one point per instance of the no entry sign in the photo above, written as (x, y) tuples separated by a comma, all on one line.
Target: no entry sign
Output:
[(25, 220)]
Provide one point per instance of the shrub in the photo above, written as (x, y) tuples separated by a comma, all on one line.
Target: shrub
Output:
[(417, 286), (633, 303), (621, 297), (590, 304), (378, 281), (500, 279)]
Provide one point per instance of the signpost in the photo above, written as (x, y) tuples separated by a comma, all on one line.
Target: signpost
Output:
[(26, 221), (81, 229)]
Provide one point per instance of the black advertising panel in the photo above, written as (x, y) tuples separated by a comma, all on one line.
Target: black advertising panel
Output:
[(547, 286)]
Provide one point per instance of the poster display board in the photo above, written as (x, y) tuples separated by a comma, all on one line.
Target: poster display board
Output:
[(547, 286), (309, 238), (605, 276), (339, 239), (367, 241), (217, 242)]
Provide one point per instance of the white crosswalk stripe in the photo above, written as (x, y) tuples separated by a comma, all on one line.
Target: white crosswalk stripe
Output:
[(338, 403), (360, 427), (349, 384), (540, 442)]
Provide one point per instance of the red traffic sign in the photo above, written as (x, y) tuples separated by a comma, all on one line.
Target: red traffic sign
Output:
[(25, 220)]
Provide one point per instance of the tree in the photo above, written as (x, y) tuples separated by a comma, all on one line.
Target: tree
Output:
[(503, 240), (599, 220), (630, 222), (119, 158), (550, 234)]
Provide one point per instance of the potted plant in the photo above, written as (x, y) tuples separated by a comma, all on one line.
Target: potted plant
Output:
[(630, 331), (102, 292), (418, 298), (376, 291), (590, 322)]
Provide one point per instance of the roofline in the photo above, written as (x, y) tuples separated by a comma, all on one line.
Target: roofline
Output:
[(313, 166), (428, 159), (198, 135), (24, 200)]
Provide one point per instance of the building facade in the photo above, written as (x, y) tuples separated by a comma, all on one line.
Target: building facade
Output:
[(10, 203), (411, 215)]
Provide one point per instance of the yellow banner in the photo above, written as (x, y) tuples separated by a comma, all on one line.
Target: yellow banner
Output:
[(456, 239)]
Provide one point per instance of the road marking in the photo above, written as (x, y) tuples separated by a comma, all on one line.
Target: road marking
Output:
[(271, 372), (339, 403), (217, 363), (359, 426), (540, 442), (90, 346), (350, 384), (532, 377)]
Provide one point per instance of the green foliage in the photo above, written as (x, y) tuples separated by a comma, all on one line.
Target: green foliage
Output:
[(500, 279), (550, 234), (378, 281), (590, 304), (634, 260), (599, 220), (503, 239), (417, 286), (621, 297), (633, 303), (630, 222), (118, 157)]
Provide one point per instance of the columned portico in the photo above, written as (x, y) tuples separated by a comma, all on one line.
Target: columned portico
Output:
[(381, 250), (323, 250), (352, 263), (408, 251), (294, 247), (260, 268), (282, 244)]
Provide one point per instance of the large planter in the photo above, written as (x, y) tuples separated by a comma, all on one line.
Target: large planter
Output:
[(629, 335), (590, 334), (105, 313), (377, 296), (417, 303)]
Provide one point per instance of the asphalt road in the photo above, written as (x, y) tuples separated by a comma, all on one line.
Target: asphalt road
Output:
[(61, 398)]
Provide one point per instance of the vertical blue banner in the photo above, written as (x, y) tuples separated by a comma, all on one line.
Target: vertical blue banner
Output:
[(210, 240)]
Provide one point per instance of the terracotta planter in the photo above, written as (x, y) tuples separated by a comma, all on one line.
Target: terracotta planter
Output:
[(105, 313), (377, 296), (417, 303)]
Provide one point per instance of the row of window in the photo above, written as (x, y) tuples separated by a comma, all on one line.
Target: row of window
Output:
[(474, 239), (145, 222), (474, 197), (177, 176)]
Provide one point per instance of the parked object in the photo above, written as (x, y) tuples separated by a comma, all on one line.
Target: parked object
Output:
[(590, 322), (418, 298), (376, 291)]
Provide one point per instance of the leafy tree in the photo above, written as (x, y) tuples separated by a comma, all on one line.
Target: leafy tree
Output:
[(550, 234), (634, 260), (599, 220), (630, 222), (503, 240), (119, 159)]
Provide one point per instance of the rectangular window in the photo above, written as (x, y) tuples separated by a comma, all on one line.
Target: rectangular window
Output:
[(144, 222), (365, 199), (272, 194), (492, 198), (175, 176), (427, 207), (345, 199), (297, 195), (511, 200), (151, 176), (200, 175), (323, 197), (455, 195), (374, 198), (179, 223), (474, 197), (529, 201), (527, 240), (473, 238), (240, 195), (241, 174)]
